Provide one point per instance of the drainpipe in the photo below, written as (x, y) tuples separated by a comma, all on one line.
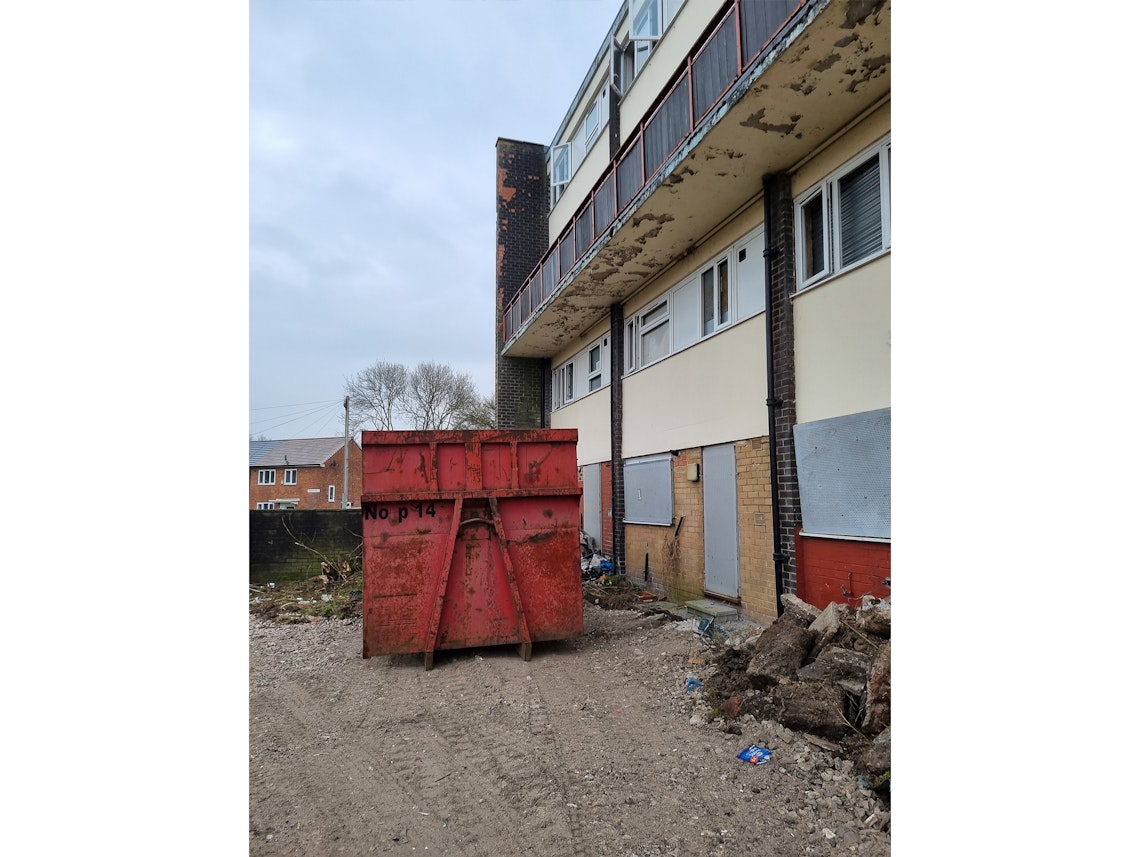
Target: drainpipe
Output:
[(771, 253)]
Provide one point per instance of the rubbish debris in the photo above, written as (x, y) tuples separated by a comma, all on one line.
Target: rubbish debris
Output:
[(692, 684), (754, 754)]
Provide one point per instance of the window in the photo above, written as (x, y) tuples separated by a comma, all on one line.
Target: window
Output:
[(714, 297), (647, 336), (289, 477), (565, 158), (559, 171), (332, 493), (846, 218), (264, 506), (653, 334), (595, 365), (728, 289), (591, 363), (266, 477)]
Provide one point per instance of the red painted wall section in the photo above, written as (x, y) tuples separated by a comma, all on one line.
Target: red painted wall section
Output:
[(830, 570)]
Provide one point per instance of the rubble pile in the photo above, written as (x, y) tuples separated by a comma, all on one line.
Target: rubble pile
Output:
[(826, 673)]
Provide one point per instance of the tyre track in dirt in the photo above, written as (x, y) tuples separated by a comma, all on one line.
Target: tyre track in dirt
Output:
[(586, 749)]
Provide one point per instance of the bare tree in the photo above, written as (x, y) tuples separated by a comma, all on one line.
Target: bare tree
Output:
[(438, 396), (431, 396), (481, 414), (377, 396)]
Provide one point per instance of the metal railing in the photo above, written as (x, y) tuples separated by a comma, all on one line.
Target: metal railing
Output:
[(739, 37)]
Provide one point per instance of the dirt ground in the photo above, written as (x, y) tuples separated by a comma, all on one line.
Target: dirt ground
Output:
[(599, 745)]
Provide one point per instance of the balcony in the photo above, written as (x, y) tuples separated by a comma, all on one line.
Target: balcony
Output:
[(769, 83)]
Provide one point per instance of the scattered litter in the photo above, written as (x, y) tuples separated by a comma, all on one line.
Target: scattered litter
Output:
[(325, 596), (692, 684), (272, 585), (754, 754)]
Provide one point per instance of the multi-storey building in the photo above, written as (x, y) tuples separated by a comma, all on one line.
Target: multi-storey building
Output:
[(303, 473), (695, 274)]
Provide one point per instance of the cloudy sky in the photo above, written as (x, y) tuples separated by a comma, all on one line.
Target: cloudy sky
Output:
[(372, 129)]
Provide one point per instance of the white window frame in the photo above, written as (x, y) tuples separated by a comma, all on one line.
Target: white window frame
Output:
[(289, 476), (267, 477), (646, 20), (647, 325), (332, 493), (685, 300), (568, 385), (265, 507), (560, 170), (828, 192), (594, 374), (721, 297)]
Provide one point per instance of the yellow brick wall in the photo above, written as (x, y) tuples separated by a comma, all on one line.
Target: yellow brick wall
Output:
[(676, 566)]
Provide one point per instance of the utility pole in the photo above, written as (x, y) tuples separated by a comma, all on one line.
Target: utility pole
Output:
[(344, 496)]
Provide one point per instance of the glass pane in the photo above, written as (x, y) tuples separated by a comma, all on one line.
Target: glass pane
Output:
[(707, 310), (595, 358), (560, 164), (812, 213), (722, 293), (654, 314), (860, 213), (655, 343), (645, 19)]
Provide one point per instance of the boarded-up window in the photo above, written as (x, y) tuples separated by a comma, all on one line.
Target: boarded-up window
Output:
[(844, 468), (649, 490)]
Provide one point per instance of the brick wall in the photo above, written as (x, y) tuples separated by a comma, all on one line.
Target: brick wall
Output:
[(617, 429), (522, 202), (758, 596), (843, 571), (779, 215), (677, 553), (274, 554)]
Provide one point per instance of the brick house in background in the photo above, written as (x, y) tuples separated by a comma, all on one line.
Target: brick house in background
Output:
[(306, 473), (696, 275)]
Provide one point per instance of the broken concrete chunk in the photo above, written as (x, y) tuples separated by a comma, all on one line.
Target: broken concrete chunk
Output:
[(780, 652), (815, 707), (834, 664), (804, 612), (878, 714)]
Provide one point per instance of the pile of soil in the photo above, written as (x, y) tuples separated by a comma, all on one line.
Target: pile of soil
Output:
[(826, 673)]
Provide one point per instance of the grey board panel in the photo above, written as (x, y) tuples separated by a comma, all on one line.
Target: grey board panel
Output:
[(844, 468)]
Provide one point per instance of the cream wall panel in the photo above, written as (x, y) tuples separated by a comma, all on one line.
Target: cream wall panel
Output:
[(870, 130), (584, 341), (591, 416), (843, 344), (711, 393)]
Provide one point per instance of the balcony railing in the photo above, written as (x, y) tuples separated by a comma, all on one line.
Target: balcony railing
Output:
[(743, 32)]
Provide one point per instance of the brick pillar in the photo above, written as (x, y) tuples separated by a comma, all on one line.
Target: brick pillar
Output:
[(617, 471), (779, 213), (521, 231)]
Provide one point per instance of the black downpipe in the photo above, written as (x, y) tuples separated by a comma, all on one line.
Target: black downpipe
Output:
[(770, 254)]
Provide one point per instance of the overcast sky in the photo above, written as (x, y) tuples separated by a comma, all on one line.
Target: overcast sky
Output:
[(372, 129)]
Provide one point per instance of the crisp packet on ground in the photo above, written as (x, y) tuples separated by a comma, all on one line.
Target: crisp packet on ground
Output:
[(754, 754)]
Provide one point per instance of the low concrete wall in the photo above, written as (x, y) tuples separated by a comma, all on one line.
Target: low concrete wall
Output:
[(274, 552)]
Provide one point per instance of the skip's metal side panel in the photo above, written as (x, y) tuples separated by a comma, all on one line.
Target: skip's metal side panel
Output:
[(470, 539)]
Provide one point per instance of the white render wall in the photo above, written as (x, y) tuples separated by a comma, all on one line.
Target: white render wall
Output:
[(712, 392)]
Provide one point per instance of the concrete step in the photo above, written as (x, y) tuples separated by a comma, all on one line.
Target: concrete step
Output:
[(705, 608)]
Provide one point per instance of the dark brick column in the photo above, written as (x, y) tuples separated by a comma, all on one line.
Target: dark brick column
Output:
[(617, 471), (522, 202), (780, 217)]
